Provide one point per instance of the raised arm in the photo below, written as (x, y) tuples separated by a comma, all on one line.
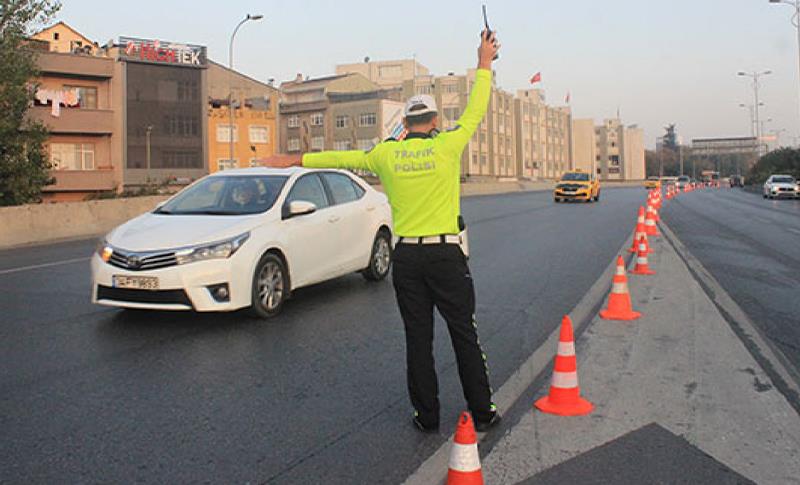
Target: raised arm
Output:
[(479, 96), (351, 159)]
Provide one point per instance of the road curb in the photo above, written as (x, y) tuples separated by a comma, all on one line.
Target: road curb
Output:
[(771, 359), (434, 469)]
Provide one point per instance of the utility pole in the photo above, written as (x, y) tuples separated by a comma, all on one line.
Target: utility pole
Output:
[(230, 80), (755, 75), (795, 21)]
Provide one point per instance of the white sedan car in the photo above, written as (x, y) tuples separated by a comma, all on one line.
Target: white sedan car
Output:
[(245, 238), (778, 186)]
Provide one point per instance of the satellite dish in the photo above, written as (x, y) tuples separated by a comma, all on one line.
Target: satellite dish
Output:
[(366, 59)]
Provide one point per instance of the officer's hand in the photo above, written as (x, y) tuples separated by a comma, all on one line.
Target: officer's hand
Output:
[(488, 49), (282, 161)]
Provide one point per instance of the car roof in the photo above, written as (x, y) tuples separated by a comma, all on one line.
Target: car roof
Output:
[(260, 171)]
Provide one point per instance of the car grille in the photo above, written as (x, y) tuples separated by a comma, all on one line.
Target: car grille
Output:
[(571, 187), (166, 297), (142, 261)]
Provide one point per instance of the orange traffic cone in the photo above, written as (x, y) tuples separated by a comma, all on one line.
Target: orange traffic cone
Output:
[(642, 266), (639, 232), (619, 303), (565, 395), (650, 223), (465, 463)]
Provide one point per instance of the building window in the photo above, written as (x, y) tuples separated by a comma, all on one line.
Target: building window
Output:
[(293, 121), (227, 164), (342, 145), (365, 144), (452, 114), (318, 143), (425, 89), (317, 119), (224, 133), (450, 88), (259, 134), (342, 121), (483, 159), (367, 119), (293, 144), (55, 35), (87, 96), (72, 156)]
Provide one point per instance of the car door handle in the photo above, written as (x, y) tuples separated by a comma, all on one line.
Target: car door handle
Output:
[(334, 219)]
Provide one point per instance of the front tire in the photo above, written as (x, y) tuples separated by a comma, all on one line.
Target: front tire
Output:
[(597, 197), (380, 259), (270, 286)]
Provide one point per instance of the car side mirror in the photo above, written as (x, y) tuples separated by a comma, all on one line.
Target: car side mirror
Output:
[(298, 208)]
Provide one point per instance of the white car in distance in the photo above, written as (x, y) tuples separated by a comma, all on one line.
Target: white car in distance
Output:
[(245, 239), (778, 186)]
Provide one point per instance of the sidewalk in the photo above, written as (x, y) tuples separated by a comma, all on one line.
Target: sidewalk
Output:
[(720, 419)]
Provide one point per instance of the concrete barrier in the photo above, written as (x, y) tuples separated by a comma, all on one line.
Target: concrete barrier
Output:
[(41, 223)]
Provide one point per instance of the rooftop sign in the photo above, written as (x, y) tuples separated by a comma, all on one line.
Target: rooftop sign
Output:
[(162, 52)]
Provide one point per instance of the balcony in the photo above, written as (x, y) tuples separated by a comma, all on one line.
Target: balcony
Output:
[(75, 120), (82, 180), (75, 65)]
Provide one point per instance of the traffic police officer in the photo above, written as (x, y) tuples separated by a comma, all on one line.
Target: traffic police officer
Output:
[(421, 176)]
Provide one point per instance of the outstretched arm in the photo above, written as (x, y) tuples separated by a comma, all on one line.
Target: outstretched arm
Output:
[(352, 159)]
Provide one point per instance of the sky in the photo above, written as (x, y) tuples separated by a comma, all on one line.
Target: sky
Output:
[(657, 62)]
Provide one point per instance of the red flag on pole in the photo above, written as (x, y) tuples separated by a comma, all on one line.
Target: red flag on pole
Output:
[(537, 78)]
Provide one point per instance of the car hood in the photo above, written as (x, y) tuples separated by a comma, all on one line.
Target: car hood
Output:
[(160, 231)]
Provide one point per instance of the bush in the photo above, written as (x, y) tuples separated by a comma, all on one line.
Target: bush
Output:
[(784, 161)]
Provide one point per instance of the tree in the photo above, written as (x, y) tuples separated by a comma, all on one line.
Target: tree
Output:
[(785, 161), (23, 162)]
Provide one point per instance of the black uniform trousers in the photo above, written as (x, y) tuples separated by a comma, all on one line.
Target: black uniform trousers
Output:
[(428, 275)]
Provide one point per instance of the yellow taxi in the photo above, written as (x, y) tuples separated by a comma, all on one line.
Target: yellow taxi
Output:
[(652, 182), (577, 185)]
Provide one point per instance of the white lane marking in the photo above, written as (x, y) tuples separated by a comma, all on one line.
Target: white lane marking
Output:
[(793, 230), (40, 266)]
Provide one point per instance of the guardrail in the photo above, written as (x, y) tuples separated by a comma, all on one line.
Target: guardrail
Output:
[(34, 224)]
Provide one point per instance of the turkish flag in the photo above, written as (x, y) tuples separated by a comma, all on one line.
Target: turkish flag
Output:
[(537, 78)]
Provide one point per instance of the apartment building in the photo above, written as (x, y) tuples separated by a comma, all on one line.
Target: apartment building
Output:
[(341, 112), (130, 113), (75, 100), (254, 128), (620, 151), (386, 74), (584, 145)]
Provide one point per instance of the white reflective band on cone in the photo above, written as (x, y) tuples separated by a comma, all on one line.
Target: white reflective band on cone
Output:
[(620, 270), (464, 458), (619, 288), (565, 380), (566, 349), (641, 261)]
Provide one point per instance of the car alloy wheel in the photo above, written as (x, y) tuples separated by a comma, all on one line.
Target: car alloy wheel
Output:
[(270, 286), (380, 260)]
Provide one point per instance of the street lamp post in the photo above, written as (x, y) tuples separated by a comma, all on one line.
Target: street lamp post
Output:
[(148, 131), (795, 20), (755, 75), (248, 18)]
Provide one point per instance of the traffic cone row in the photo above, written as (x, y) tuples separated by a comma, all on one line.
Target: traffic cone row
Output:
[(564, 396)]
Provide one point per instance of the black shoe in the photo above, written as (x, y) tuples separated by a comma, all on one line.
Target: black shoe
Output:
[(422, 427), (484, 426)]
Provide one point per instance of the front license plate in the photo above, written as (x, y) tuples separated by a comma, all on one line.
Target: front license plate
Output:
[(135, 282)]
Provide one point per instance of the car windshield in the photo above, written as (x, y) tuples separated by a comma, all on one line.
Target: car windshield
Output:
[(227, 196), (683, 179), (782, 180), (575, 177)]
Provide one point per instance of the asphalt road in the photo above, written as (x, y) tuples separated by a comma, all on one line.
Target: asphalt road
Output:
[(318, 395), (752, 248)]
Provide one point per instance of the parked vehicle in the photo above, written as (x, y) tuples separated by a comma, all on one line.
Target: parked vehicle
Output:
[(781, 186), (683, 181), (737, 181), (245, 238)]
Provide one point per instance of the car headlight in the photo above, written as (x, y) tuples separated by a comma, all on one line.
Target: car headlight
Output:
[(104, 250), (217, 250)]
